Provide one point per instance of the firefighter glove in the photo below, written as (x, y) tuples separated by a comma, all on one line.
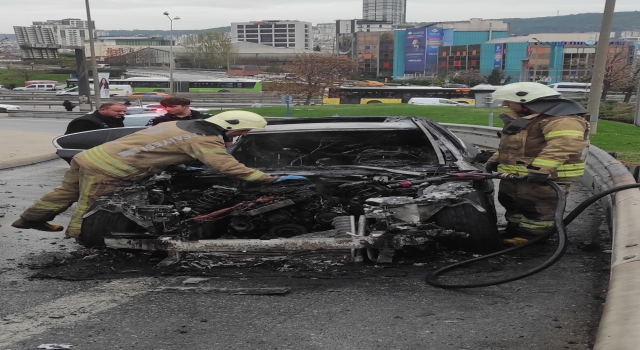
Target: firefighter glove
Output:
[(290, 177), (491, 167), (537, 178)]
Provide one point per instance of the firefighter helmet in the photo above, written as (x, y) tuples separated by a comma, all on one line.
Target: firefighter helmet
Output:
[(524, 92), (238, 120)]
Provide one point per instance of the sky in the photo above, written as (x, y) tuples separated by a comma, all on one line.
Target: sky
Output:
[(203, 14)]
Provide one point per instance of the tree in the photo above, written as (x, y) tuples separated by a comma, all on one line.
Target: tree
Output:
[(308, 75), (497, 77), (620, 74), (316, 48), (209, 49), (469, 77), (24, 73)]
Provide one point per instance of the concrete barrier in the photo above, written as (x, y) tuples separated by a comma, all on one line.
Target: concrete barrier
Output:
[(621, 316)]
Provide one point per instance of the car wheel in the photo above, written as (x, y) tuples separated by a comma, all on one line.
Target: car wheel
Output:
[(481, 227), (102, 224)]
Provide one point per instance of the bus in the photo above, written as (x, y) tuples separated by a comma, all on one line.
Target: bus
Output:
[(245, 71), (158, 84), (399, 94)]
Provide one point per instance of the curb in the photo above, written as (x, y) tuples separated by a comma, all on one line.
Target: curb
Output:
[(14, 163)]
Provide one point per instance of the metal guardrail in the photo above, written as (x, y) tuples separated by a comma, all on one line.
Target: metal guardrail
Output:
[(621, 316), (221, 97)]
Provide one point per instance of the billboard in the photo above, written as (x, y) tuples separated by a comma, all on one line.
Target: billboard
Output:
[(415, 50), (435, 39), (498, 53), (104, 85)]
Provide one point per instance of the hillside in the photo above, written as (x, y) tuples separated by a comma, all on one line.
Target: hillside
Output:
[(580, 23)]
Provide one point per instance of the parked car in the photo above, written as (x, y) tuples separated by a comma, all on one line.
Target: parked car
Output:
[(380, 172), (141, 95), (10, 107), (432, 101), (140, 119)]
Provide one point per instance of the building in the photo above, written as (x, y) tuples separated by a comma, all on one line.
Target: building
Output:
[(394, 11), (324, 36), (36, 42), (67, 32), (440, 48), (281, 34), (244, 53), (548, 57)]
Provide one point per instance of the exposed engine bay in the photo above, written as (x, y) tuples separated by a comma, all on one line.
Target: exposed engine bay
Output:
[(353, 191)]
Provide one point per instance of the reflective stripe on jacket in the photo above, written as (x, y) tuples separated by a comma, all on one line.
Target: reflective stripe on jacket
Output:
[(151, 150), (548, 145)]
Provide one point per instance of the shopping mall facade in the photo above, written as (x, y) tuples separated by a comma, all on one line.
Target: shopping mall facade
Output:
[(438, 51)]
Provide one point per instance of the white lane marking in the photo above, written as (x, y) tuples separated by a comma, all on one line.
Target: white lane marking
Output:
[(69, 310)]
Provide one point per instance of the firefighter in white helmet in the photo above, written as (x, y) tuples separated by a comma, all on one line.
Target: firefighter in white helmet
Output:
[(544, 138), (101, 170)]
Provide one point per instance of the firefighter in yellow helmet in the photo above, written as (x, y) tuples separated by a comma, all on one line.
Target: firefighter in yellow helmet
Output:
[(544, 138), (101, 170)]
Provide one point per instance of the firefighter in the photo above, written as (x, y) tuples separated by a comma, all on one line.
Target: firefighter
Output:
[(544, 138), (101, 170)]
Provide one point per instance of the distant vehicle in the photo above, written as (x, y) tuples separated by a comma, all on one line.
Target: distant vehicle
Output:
[(156, 107), (31, 82), (432, 101), (465, 101), (157, 84), (144, 95), (246, 70), (113, 90), (2, 87), (571, 87), (397, 94), (366, 83), (37, 87), (10, 107), (103, 66)]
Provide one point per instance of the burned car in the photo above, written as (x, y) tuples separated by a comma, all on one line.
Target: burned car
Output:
[(377, 185)]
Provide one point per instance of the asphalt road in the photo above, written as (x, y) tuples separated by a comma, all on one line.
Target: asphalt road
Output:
[(52, 291)]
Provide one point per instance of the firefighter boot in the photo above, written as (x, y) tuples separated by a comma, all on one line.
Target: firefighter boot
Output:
[(37, 225)]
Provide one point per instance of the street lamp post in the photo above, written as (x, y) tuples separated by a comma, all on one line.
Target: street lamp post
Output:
[(171, 60)]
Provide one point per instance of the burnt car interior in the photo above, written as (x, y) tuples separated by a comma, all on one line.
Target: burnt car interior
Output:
[(351, 172)]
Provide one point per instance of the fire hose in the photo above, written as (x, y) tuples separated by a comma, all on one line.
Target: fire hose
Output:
[(561, 230)]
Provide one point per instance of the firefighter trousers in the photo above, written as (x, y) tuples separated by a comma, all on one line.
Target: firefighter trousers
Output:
[(78, 185), (530, 207)]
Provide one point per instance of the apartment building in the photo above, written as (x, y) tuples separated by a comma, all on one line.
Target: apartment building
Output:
[(276, 33)]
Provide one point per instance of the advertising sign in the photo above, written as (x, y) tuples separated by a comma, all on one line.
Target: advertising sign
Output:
[(497, 57), (415, 50), (435, 39), (104, 85)]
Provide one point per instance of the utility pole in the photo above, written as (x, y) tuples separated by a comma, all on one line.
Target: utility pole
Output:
[(636, 119), (602, 50), (171, 60), (94, 66)]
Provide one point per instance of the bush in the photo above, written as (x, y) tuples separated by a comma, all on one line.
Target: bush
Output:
[(617, 111)]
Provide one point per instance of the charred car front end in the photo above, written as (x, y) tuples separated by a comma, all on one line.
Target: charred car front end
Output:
[(377, 185)]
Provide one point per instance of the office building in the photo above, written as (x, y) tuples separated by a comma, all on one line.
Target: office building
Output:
[(394, 11), (281, 34), (67, 32)]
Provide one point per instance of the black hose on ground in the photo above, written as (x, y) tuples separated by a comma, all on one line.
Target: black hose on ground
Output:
[(560, 223)]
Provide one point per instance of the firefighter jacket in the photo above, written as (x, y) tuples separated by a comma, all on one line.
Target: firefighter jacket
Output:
[(93, 121), (543, 144), (153, 149), (172, 118)]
